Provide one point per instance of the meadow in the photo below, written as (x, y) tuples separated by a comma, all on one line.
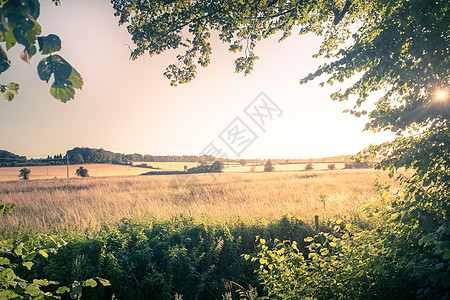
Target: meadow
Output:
[(163, 236), (112, 170), (84, 202)]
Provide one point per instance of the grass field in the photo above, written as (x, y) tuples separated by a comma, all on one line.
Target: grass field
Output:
[(106, 170), (83, 202), (50, 172)]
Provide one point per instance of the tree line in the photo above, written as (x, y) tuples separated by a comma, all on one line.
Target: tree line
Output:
[(82, 155)]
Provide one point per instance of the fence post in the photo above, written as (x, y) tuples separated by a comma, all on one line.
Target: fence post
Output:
[(316, 222)]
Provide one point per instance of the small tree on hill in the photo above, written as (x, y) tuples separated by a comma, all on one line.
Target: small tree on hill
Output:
[(268, 167), (332, 166), (242, 162), (82, 172), (24, 174)]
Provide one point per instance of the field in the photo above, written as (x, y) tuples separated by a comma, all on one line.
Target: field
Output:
[(107, 170), (83, 202), (52, 172), (154, 237)]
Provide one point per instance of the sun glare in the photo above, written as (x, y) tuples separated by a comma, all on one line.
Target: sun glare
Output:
[(441, 95)]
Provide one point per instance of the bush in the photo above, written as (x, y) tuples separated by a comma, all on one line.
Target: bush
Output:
[(331, 166), (82, 172), (24, 174), (268, 167), (151, 259), (309, 165)]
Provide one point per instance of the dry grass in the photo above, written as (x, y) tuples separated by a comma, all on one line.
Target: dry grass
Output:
[(52, 172), (83, 202)]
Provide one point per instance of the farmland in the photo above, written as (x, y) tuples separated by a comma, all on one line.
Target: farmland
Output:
[(191, 230), (138, 168), (83, 202)]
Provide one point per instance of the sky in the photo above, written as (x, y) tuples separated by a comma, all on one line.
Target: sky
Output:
[(129, 107)]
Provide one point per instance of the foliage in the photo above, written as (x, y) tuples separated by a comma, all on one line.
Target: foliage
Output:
[(19, 26), (268, 166), (8, 159), (92, 155), (331, 166), (77, 159), (19, 256), (309, 165), (82, 172), (215, 167), (358, 163), (24, 174), (153, 259)]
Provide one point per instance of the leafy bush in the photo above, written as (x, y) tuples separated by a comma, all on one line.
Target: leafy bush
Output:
[(150, 259), (268, 167), (24, 174), (309, 165), (17, 257), (82, 172)]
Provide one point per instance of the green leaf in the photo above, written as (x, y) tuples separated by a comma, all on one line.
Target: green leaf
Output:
[(104, 282), (308, 239), (8, 96), (25, 33), (447, 255), (29, 256), (4, 261), (62, 290), (5, 63), (62, 90), (76, 79), (33, 290), (49, 44), (90, 283), (43, 253), (10, 39), (28, 264), (41, 282)]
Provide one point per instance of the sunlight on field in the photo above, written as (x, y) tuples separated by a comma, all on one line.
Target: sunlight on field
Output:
[(50, 172), (89, 201), (237, 168)]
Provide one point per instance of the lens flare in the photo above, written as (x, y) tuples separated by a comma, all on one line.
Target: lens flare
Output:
[(441, 95)]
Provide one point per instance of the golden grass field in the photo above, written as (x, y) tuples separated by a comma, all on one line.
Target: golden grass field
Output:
[(83, 202), (106, 170), (50, 172)]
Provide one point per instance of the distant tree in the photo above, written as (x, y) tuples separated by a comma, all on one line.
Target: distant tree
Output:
[(77, 159), (185, 168), (309, 165), (24, 174), (268, 167), (242, 162), (82, 172), (331, 166), (217, 166)]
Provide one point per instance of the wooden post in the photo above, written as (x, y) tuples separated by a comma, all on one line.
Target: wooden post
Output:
[(316, 222)]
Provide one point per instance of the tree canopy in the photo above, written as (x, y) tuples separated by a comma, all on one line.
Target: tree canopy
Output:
[(19, 26)]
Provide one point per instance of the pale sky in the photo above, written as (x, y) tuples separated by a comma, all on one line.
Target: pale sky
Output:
[(129, 107)]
